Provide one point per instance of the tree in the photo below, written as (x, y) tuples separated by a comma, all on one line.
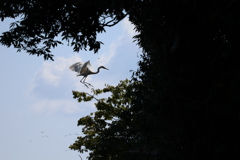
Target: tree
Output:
[(112, 132), (190, 69)]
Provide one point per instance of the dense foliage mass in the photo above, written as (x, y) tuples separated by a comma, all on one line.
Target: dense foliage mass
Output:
[(112, 132), (191, 69), (187, 104)]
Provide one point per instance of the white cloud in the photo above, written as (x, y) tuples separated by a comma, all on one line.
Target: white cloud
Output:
[(128, 28), (105, 58), (126, 37), (52, 72)]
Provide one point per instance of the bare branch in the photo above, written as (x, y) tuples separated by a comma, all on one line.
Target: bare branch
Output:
[(80, 157), (112, 21), (93, 96)]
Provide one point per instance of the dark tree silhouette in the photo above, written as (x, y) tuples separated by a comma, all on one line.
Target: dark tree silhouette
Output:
[(40, 23)]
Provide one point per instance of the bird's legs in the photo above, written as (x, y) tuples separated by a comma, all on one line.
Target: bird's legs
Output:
[(88, 84), (85, 83)]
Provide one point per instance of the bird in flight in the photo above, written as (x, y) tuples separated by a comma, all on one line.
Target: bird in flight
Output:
[(84, 69)]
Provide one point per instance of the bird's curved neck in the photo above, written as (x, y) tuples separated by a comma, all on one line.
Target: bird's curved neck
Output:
[(96, 71)]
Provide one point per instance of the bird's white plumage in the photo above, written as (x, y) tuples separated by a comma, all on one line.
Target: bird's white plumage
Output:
[(76, 67)]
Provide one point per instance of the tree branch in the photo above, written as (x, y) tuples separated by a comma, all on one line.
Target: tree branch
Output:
[(110, 25), (92, 96)]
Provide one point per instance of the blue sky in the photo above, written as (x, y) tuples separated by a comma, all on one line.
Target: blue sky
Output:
[(38, 116)]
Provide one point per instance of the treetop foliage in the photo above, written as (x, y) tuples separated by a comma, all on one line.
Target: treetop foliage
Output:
[(79, 21), (114, 122), (40, 23)]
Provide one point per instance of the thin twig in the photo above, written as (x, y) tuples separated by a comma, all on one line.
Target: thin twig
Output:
[(80, 157), (93, 96), (114, 23)]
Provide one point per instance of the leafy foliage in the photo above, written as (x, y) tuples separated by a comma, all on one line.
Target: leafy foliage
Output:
[(41, 23), (112, 131), (190, 71)]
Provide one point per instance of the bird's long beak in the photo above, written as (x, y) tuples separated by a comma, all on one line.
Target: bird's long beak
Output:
[(106, 68)]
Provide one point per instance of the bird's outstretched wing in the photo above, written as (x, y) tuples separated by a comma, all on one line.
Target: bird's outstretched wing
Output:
[(76, 67), (86, 68)]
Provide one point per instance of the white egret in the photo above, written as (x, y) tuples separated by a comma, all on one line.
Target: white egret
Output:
[(84, 70)]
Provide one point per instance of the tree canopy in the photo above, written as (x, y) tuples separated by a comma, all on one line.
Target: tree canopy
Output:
[(187, 105), (80, 21), (40, 23), (112, 132)]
